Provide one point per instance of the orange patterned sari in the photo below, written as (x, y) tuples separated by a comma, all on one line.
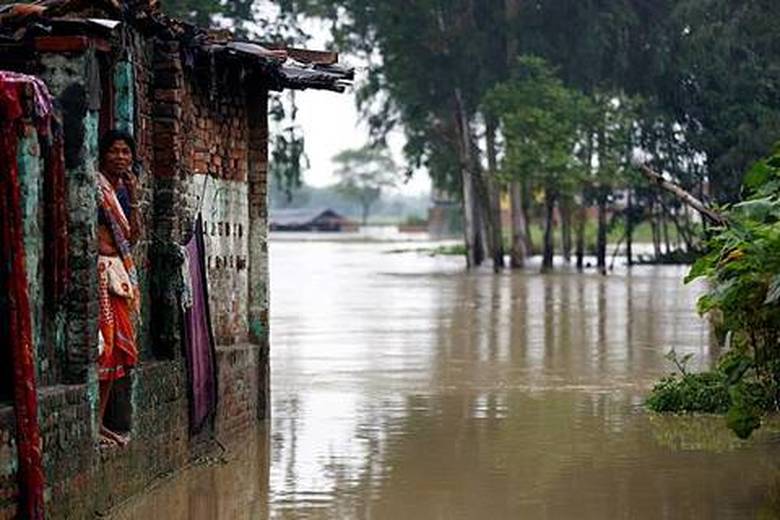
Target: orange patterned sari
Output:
[(118, 292)]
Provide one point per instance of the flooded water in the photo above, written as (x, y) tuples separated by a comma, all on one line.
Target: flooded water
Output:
[(405, 388)]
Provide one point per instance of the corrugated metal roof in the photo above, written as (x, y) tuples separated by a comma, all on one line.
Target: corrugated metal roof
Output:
[(301, 217), (285, 68)]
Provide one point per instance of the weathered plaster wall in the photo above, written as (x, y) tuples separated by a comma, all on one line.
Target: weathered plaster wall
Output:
[(31, 186), (226, 224), (185, 134), (218, 170), (257, 181), (75, 99)]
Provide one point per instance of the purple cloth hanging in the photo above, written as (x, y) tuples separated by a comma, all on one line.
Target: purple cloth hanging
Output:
[(199, 348)]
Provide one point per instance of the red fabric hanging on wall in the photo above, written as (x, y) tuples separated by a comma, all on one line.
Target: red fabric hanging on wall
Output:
[(12, 254)]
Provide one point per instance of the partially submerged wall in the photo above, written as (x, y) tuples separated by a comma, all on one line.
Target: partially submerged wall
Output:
[(212, 159), (201, 145)]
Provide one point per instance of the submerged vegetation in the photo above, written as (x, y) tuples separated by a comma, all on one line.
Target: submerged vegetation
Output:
[(690, 392), (742, 268)]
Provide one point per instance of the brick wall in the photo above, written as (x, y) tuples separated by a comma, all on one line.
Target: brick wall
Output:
[(257, 103), (82, 479), (238, 389), (215, 158)]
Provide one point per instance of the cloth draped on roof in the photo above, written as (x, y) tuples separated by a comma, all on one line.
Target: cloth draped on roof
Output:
[(199, 347), (13, 88)]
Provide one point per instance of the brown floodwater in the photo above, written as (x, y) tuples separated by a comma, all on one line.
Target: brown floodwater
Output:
[(405, 388)]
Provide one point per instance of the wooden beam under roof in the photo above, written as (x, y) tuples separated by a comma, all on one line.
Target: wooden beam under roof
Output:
[(313, 57)]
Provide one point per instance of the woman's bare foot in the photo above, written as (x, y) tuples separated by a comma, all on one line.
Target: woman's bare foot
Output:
[(104, 441), (118, 439)]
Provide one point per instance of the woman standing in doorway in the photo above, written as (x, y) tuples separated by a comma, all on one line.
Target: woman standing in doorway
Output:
[(118, 230)]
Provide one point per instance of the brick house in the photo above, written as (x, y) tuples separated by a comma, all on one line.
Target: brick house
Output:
[(196, 102)]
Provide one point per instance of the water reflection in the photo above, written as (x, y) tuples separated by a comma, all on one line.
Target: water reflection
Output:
[(211, 489), (405, 388)]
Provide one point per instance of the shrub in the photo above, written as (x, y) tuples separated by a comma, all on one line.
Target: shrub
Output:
[(742, 268), (687, 393)]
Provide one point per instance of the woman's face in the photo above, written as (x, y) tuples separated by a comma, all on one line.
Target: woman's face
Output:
[(118, 158)]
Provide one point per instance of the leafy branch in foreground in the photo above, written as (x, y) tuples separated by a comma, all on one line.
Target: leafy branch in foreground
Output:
[(742, 268)]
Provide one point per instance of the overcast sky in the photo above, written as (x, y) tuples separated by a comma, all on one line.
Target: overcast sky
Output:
[(331, 124)]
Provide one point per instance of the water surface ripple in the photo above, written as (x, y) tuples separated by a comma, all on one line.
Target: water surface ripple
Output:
[(404, 387)]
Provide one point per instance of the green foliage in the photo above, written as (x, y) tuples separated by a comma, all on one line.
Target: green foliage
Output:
[(415, 220), (690, 392), (540, 119), (743, 416), (363, 173), (453, 250), (742, 268), (724, 77), (707, 73), (729, 389), (435, 57), (698, 392), (288, 156)]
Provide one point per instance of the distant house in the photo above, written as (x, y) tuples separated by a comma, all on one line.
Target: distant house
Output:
[(310, 220)]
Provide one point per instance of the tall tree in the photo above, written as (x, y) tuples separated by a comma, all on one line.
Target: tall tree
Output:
[(363, 173), (723, 82), (434, 66), (540, 119), (707, 70)]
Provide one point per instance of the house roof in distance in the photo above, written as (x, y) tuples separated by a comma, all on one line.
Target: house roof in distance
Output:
[(302, 217)]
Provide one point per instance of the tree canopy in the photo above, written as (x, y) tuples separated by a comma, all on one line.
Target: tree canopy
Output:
[(363, 173)]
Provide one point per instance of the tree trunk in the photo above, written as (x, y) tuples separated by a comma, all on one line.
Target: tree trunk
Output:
[(601, 238), (565, 206), (582, 212), (629, 228), (471, 221), (482, 241), (526, 194), (521, 233), (678, 237), (549, 244), (683, 195), (480, 248), (665, 229), (519, 240), (683, 232), (585, 200), (654, 229), (493, 213)]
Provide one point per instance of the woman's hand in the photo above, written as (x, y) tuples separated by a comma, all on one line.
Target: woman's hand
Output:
[(133, 185), (106, 245), (134, 190)]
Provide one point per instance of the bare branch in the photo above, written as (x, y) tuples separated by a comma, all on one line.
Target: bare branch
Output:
[(673, 188)]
